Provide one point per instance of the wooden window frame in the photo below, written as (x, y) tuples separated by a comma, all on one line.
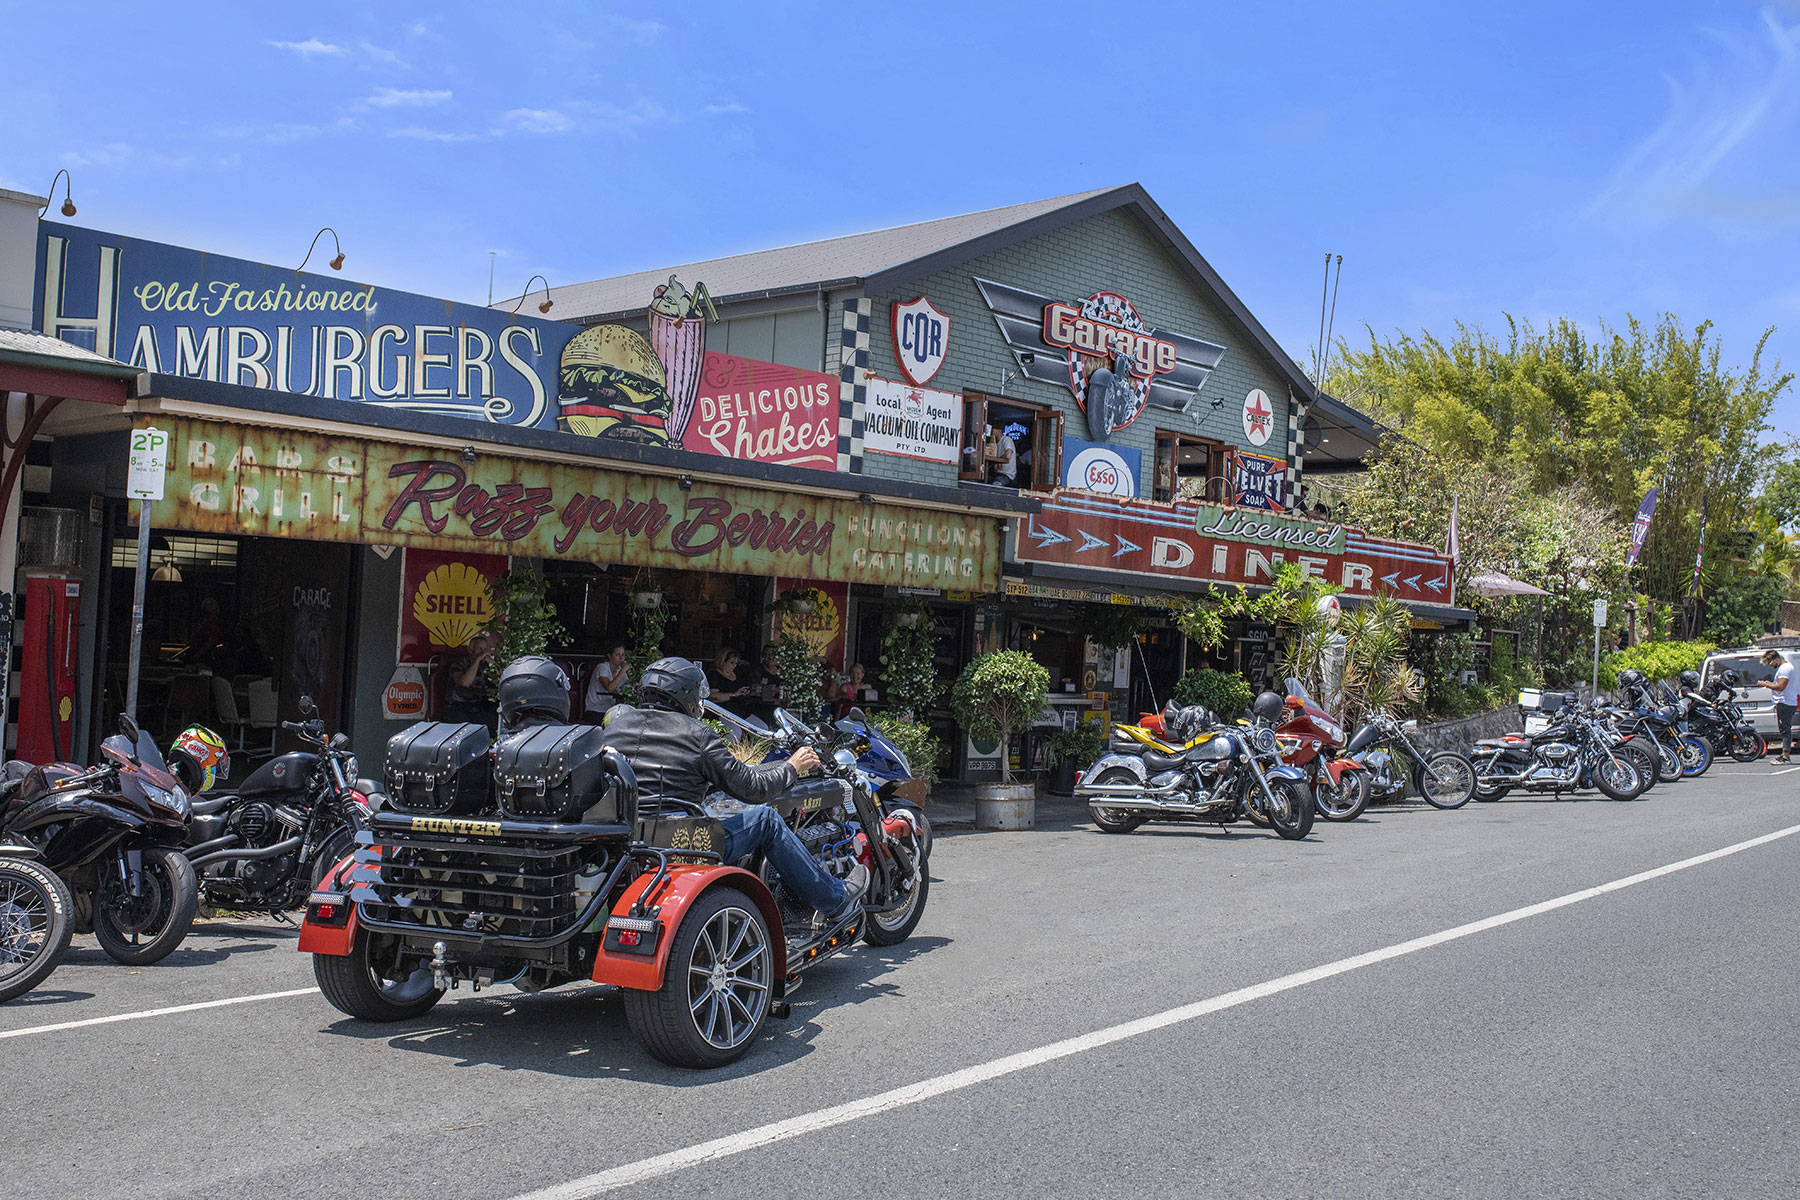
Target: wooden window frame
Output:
[(1217, 454), (1046, 458)]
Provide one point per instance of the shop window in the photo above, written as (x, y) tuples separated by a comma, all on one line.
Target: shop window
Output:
[(1189, 468), (1001, 433)]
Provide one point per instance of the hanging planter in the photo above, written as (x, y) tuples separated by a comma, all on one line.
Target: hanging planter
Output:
[(799, 601), (646, 599), (907, 620)]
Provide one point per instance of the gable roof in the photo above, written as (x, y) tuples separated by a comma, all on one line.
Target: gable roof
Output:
[(833, 262), (876, 261)]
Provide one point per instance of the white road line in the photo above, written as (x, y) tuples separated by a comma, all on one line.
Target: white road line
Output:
[(1789, 771), (780, 1131), (155, 1012)]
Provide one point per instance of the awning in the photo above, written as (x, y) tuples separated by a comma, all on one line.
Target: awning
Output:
[(1494, 583)]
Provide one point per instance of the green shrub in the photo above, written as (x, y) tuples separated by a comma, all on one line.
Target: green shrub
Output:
[(1657, 660), (914, 740), (1225, 692), (1083, 744), (997, 695)]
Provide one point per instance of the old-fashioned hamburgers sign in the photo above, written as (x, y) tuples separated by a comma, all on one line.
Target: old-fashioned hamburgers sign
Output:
[(1216, 544), (1103, 350)]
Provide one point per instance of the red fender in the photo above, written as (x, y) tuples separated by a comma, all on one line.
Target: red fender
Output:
[(316, 938), (1336, 767), (684, 884)]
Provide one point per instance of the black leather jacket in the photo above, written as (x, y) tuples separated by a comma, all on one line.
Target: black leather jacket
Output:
[(676, 756)]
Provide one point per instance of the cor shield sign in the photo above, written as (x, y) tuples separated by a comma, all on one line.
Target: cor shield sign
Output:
[(921, 339)]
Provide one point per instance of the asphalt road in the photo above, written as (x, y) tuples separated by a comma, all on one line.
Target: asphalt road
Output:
[(1639, 1042)]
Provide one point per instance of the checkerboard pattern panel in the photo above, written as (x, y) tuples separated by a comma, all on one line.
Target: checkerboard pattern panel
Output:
[(1297, 410), (853, 373)]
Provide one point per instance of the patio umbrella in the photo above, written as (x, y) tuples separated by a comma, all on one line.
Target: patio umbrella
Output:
[(1493, 583)]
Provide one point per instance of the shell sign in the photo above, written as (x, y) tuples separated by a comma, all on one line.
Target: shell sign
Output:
[(823, 627), (444, 601)]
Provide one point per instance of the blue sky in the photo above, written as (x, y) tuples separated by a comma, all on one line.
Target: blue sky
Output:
[(1467, 161)]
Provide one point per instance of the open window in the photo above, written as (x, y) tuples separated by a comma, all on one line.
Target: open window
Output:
[(1189, 468), (1010, 442)]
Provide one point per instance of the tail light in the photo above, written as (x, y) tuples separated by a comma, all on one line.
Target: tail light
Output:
[(329, 910)]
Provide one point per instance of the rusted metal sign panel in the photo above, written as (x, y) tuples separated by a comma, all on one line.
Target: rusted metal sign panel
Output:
[(281, 483)]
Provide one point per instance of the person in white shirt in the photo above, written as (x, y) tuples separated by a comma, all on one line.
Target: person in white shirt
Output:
[(608, 680), (1784, 687), (1006, 467)]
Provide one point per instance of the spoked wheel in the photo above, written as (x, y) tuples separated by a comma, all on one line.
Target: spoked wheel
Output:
[(1446, 780), (35, 924), (891, 926), (1617, 777), (1696, 756), (371, 984), (145, 928), (1747, 745), (1291, 814), (715, 997), (1114, 820), (1668, 763), (1644, 759), (1343, 800)]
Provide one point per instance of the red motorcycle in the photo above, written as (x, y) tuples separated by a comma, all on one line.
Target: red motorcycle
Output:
[(1313, 741)]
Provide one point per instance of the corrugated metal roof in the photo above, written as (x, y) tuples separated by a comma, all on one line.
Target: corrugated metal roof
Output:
[(834, 260), (18, 343)]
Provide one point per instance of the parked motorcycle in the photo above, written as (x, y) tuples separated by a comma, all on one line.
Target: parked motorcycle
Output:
[(1657, 714), (1575, 749), (36, 920), (267, 844), (1718, 718), (1200, 770), (113, 832), (1312, 740), (1394, 763)]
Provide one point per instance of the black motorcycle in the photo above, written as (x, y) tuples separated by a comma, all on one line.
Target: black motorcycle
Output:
[(1393, 763), (1722, 723), (113, 832), (36, 919), (267, 844), (1576, 750)]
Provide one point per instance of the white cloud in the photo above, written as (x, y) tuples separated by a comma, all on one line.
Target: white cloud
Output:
[(720, 110), (418, 134), (636, 29), (377, 54), (1750, 94), (537, 120), (112, 154), (310, 48), (387, 97)]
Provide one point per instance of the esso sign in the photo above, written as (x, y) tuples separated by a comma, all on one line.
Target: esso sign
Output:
[(1101, 469)]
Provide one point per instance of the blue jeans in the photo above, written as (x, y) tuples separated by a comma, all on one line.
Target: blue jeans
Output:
[(759, 829)]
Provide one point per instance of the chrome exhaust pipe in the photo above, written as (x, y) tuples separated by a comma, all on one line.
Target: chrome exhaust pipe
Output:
[(1125, 789)]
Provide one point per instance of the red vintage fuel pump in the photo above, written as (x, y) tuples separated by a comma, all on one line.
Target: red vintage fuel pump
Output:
[(48, 645)]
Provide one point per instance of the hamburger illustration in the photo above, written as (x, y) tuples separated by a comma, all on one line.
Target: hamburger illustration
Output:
[(612, 385)]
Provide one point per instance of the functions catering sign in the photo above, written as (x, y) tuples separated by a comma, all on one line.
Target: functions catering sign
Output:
[(913, 422), (1103, 351), (1210, 543), (234, 479)]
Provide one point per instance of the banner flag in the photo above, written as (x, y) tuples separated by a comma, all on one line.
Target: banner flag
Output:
[(1640, 528), (1699, 551)]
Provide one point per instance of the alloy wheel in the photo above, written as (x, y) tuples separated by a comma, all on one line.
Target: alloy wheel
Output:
[(728, 978)]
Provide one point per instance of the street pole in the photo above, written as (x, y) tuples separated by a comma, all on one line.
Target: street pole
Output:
[(145, 473), (1599, 623)]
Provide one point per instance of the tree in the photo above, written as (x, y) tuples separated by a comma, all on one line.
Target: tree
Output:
[(996, 695)]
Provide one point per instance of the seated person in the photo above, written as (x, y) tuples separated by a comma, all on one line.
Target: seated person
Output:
[(853, 690), (608, 679), (469, 694), (732, 687), (677, 756)]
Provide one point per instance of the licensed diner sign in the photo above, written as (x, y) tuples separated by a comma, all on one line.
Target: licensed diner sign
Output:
[(1215, 543), (236, 479)]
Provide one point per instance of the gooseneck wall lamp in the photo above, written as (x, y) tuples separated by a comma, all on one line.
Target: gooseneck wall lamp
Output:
[(337, 264), (68, 204), (544, 307)]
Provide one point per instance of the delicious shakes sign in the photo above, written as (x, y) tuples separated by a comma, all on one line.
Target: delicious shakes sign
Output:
[(234, 479), (1212, 543)]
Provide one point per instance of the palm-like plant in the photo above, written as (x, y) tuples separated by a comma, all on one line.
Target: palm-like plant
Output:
[(1376, 674)]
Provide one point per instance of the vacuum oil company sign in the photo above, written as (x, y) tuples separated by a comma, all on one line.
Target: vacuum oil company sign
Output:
[(283, 483)]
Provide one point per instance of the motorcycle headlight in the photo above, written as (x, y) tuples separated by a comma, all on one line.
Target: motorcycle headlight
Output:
[(174, 799), (350, 771), (1264, 740)]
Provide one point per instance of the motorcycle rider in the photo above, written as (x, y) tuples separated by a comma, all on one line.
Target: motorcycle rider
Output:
[(678, 756)]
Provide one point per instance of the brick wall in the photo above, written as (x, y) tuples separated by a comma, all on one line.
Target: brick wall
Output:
[(1111, 251)]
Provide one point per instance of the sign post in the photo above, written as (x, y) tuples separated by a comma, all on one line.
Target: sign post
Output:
[(1599, 624), (148, 468)]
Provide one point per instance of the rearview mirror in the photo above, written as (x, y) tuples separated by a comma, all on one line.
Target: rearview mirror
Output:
[(307, 707), (857, 715)]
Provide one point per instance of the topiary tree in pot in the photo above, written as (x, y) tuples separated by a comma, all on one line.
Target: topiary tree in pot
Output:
[(997, 695)]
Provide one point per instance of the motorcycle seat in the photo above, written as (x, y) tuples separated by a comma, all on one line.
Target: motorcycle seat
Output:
[(1511, 741), (206, 806), (1156, 762)]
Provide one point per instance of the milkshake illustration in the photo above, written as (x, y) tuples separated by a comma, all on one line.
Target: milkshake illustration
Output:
[(678, 335)]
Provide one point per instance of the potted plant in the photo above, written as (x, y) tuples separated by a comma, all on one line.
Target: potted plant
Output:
[(995, 696), (1072, 750), (908, 661)]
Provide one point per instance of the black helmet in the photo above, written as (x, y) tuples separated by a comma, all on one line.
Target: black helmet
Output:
[(1268, 707), (676, 683), (1631, 678), (1690, 679), (1730, 678), (533, 689)]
